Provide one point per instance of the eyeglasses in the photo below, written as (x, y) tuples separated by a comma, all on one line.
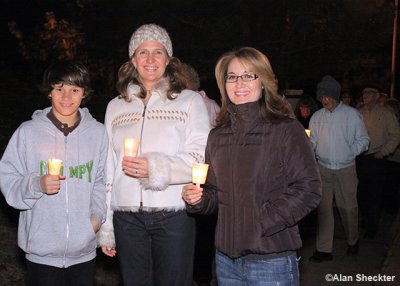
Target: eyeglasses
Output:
[(245, 77)]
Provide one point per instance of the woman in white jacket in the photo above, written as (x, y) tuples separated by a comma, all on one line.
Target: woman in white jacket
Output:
[(154, 236)]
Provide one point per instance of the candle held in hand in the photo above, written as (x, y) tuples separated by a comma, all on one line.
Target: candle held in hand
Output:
[(131, 146), (308, 132), (55, 166), (199, 173)]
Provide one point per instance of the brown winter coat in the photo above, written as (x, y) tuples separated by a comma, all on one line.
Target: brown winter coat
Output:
[(263, 179)]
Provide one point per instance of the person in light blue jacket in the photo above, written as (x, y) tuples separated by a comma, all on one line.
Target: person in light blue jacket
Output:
[(338, 135), (59, 213)]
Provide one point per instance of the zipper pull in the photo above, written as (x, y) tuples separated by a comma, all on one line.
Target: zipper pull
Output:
[(144, 111)]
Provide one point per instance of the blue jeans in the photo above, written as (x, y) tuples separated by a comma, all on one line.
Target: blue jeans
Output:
[(155, 248), (282, 271)]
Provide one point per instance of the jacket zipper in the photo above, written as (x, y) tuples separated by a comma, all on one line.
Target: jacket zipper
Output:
[(140, 143), (66, 202), (233, 194)]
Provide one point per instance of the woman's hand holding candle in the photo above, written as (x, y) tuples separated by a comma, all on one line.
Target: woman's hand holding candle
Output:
[(192, 194), (136, 167)]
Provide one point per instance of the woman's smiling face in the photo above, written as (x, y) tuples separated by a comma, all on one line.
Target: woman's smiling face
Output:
[(150, 60), (240, 92)]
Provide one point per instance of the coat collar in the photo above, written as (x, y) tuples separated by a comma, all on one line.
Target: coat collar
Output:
[(244, 116), (159, 89)]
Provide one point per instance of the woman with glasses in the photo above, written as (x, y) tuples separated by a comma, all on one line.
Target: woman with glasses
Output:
[(262, 176)]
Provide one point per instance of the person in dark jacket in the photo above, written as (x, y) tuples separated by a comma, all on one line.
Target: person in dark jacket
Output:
[(263, 177)]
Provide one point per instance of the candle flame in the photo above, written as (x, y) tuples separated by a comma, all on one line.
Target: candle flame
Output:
[(199, 173), (54, 166), (131, 146)]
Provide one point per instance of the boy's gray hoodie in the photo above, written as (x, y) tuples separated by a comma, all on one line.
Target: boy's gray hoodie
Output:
[(56, 229)]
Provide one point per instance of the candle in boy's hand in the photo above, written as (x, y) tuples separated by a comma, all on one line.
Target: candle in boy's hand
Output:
[(131, 146), (55, 166), (199, 173), (308, 132)]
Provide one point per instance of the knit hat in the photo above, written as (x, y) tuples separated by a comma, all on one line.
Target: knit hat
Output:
[(328, 86), (150, 32)]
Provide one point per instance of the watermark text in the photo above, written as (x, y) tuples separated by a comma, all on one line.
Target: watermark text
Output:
[(359, 278)]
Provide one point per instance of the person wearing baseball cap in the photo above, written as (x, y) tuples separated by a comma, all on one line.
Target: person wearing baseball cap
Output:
[(338, 135), (147, 222)]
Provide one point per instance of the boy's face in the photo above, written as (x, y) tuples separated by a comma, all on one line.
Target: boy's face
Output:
[(65, 100)]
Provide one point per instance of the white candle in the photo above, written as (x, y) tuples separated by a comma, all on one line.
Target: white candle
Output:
[(199, 173), (131, 146), (308, 132), (54, 166)]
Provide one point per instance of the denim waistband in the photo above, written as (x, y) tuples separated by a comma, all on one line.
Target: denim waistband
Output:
[(268, 256)]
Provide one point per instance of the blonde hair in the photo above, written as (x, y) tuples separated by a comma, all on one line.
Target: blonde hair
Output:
[(273, 106)]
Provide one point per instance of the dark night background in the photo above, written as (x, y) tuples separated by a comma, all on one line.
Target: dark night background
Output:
[(304, 39)]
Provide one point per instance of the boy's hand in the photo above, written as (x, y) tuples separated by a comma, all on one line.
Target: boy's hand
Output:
[(50, 184)]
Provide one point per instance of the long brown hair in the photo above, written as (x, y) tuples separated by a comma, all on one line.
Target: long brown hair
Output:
[(273, 106)]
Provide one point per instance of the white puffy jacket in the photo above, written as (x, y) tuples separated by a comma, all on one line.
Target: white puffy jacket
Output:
[(172, 134)]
